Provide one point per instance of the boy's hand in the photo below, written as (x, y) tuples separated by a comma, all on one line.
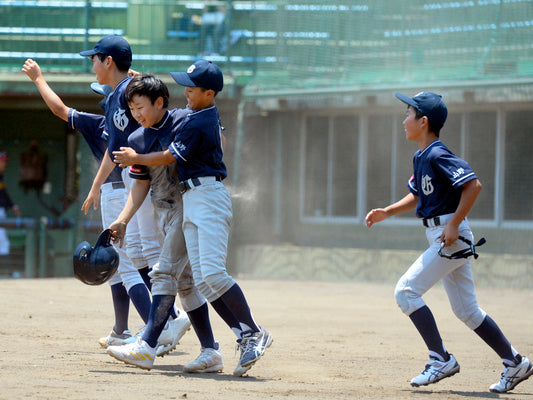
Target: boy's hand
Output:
[(32, 69), (125, 157), (92, 198), (118, 230), (450, 234), (375, 215)]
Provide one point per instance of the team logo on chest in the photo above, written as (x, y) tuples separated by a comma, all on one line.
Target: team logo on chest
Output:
[(427, 186), (120, 119)]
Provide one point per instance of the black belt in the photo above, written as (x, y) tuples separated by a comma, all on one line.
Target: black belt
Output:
[(436, 221), (183, 186), (118, 185)]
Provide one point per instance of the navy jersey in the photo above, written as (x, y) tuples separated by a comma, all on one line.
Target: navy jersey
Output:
[(437, 180), (163, 179), (197, 147), (119, 123), (91, 126)]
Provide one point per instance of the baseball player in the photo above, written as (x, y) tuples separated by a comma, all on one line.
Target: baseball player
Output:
[(111, 58), (5, 204), (148, 98), (112, 195), (443, 189), (197, 149), (128, 283)]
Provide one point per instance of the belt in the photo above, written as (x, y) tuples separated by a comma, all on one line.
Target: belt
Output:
[(183, 186), (430, 222), (436, 221), (118, 185)]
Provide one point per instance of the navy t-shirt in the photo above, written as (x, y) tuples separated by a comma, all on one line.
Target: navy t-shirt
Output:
[(154, 139), (119, 123), (197, 146), (437, 180), (91, 126)]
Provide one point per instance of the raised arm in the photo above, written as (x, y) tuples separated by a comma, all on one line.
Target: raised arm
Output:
[(52, 100)]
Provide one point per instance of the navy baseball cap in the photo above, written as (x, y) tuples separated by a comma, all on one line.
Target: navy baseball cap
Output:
[(104, 90), (202, 73), (429, 104), (112, 45)]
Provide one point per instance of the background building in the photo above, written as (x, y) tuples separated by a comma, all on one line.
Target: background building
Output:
[(314, 130)]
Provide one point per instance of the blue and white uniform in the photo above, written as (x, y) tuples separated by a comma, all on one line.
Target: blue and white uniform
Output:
[(172, 274), (207, 211), (437, 180), (141, 241), (112, 197)]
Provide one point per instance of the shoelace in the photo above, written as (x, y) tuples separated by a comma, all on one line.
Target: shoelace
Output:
[(246, 344)]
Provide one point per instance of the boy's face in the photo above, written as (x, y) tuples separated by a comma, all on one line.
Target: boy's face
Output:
[(198, 98), (412, 125), (146, 113), (100, 69)]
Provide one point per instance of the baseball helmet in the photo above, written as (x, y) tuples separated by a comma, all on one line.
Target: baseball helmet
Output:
[(95, 265)]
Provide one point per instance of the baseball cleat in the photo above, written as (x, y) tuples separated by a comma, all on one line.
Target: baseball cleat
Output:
[(209, 360), (172, 334), (115, 339), (435, 371), (512, 376), (139, 354), (252, 346)]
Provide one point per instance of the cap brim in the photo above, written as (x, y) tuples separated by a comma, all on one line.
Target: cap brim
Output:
[(88, 53), (183, 79), (406, 99)]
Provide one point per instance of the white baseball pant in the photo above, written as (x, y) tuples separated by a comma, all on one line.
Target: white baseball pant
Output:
[(456, 276)]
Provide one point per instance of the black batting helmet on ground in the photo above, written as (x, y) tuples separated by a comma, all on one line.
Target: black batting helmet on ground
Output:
[(95, 265)]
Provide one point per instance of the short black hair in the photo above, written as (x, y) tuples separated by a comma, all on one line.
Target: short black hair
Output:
[(419, 114), (122, 66), (147, 85)]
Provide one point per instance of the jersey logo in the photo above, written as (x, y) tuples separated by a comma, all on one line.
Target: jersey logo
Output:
[(120, 119), (458, 173), (180, 146), (427, 186)]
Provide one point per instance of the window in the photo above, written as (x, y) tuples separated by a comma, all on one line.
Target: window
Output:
[(354, 159), (330, 166)]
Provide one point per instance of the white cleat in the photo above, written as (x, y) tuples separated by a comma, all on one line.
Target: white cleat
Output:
[(139, 354), (172, 334), (115, 339), (435, 371), (512, 376), (209, 360)]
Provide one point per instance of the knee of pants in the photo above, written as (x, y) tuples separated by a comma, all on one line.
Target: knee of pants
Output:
[(407, 300), (191, 298), (164, 283), (130, 278), (206, 291), (219, 282), (135, 254), (114, 279), (471, 316)]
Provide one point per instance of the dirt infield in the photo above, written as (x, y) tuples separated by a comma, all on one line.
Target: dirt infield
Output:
[(331, 341)]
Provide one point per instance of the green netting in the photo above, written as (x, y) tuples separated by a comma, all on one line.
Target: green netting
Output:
[(400, 41), (285, 44)]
